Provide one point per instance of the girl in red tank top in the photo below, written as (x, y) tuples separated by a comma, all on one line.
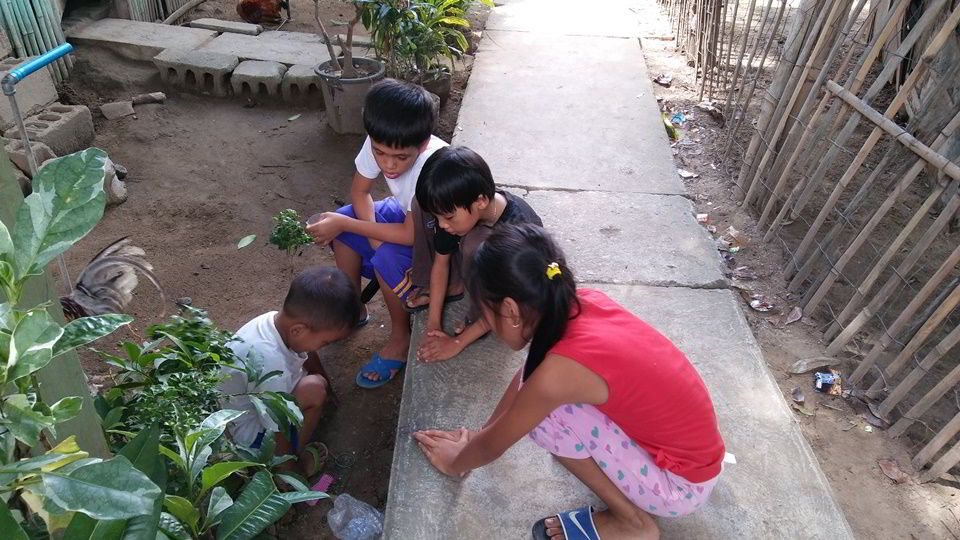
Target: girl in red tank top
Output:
[(613, 400)]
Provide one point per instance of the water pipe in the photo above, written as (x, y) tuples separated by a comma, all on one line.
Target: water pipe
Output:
[(9, 86)]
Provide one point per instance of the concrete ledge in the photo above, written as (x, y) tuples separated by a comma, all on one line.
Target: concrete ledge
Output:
[(269, 46), (776, 489), (138, 40), (232, 27)]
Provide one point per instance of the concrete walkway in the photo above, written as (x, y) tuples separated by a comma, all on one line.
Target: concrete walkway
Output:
[(560, 105)]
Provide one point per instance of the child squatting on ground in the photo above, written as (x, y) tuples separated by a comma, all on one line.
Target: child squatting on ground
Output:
[(375, 239), (321, 307), (613, 400), (461, 207)]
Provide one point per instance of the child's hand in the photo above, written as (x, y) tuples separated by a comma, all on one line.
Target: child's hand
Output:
[(442, 447), (325, 230), (437, 346)]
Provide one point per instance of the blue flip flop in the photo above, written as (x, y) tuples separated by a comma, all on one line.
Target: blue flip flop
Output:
[(380, 366), (577, 525)]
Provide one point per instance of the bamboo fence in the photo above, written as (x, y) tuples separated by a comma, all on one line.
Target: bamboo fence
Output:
[(842, 126)]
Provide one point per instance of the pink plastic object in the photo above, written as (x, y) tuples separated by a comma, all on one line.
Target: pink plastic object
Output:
[(323, 484)]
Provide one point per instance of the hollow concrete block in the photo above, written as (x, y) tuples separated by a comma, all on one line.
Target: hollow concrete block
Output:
[(196, 71), (301, 85), (33, 93), (257, 77), (64, 128)]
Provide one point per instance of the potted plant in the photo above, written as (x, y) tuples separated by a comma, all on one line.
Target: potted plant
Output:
[(344, 81), (413, 38)]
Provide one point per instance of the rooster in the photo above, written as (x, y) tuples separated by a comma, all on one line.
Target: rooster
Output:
[(106, 284), (260, 11)]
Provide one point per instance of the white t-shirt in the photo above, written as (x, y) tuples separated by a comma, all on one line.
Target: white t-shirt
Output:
[(403, 187), (259, 337)]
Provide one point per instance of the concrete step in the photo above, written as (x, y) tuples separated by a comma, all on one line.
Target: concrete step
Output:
[(270, 48), (138, 40), (230, 27), (775, 490)]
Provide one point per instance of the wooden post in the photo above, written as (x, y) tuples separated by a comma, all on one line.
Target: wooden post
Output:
[(743, 46), (63, 377), (937, 442), (942, 465)]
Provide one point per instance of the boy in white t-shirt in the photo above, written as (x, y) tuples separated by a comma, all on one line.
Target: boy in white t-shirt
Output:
[(375, 239), (321, 307)]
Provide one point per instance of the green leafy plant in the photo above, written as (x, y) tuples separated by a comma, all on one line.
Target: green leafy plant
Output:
[(60, 481), (288, 231), (412, 37)]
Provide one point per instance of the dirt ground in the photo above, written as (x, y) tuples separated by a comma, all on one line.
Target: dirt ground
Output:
[(874, 505), (203, 173)]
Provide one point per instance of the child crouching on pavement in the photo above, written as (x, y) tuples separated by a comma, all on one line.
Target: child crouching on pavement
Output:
[(457, 193), (321, 307)]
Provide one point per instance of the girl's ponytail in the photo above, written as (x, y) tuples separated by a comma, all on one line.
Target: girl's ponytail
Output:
[(524, 263)]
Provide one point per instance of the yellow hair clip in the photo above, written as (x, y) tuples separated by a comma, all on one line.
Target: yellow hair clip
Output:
[(553, 270)]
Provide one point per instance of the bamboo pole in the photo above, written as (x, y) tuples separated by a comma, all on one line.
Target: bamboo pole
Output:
[(937, 442), (887, 335), (862, 290), (903, 137), (847, 214), (729, 44), (806, 118), (775, 90), (942, 465), (731, 130), (892, 64), (916, 341), (930, 360), (743, 45), (816, 39), (778, 104)]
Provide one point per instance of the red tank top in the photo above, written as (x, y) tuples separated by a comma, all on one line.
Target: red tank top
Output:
[(655, 394)]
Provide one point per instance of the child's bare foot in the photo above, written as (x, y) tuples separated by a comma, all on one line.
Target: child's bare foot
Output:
[(609, 527)]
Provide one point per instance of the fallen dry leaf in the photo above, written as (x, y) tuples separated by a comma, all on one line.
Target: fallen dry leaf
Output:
[(892, 470), (795, 315), (803, 409)]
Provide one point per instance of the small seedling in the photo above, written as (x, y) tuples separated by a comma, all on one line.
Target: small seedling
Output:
[(288, 233)]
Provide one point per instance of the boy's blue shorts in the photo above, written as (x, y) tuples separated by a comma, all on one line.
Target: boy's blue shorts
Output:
[(391, 261), (294, 436)]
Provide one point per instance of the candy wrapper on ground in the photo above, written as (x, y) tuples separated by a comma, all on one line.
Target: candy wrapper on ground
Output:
[(828, 381)]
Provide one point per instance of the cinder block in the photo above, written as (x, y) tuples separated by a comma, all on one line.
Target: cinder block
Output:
[(64, 128), (16, 151), (196, 71), (301, 85), (33, 93), (257, 77)]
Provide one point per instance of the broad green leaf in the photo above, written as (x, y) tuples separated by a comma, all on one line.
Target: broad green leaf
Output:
[(23, 421), (31, 346), (454, 21), (200, 461), (7, 277), (143, 451), (247, 240), (283, 406), (174, 457), (294, 497), (113, 417), (84, 527), (215, 473), (33, 464), (66, 408), (268, 446), (210, 429), (219, 501), (258, 506), (147, 527), (171, 527), (6, 243), (6, 318), (86, 329), (67, 201), (8, 524), (183, 510), (111, 489), (294, 482)]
